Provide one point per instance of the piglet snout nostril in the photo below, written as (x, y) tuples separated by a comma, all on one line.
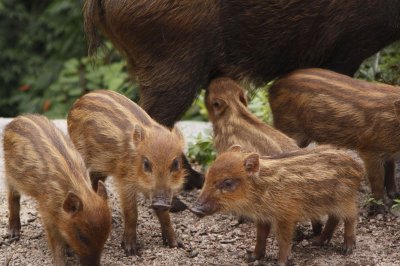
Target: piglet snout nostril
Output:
[(160, 205), (197, 211)]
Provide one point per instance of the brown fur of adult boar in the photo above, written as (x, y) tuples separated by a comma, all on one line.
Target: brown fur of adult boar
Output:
[(234, 124), (174, 48), (42, 163), (327, 107), (117, 138), (279, 192)]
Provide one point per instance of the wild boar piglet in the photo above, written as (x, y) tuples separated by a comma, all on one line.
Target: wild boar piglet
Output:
[(327, 107), (280, 191), (117, 138), (42, 163)]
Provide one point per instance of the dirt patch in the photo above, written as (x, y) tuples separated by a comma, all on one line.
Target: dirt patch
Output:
[(215, 240)]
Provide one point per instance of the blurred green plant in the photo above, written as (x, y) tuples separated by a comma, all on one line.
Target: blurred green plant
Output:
[(372, 201), (259, 104), (396, 204), (36, 38), (202, 150), (43, 44), (383, 66)]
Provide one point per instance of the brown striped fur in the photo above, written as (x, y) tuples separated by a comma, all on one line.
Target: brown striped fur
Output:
[(327, 107), (42, 163), (280, 192), (234, 124), (117, 138)]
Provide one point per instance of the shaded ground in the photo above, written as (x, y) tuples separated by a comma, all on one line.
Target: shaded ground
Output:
[(216, 240)]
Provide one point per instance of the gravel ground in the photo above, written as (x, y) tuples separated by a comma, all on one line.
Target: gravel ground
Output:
[(215, 240)]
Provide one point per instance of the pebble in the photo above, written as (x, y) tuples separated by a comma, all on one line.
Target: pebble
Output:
[(304, 243), (193, 254)]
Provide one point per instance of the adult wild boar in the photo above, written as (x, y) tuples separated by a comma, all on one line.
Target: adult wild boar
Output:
[(175, 47)]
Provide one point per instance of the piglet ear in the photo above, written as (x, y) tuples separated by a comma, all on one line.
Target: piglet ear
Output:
[(101, 190), (252, 165), (235, 148), (72, 203), (242, 98), (178, 133), (397, 109), (138, 134)]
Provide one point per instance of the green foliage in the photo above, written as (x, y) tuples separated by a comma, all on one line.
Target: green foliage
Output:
[(43, 44), (34, 48), (79, 76), (396, 204), (372, 201), (383, 67), (198, 110), (202, 150), (259, 105)]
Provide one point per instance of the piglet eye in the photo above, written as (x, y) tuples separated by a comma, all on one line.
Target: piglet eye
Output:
[(146, 165), (216, 104), (83, 239), (229, 184), (175, 165)]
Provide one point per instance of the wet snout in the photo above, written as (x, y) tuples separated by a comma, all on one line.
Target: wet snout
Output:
[(198, 210), (90, 260), (161, 201), (203, 207)]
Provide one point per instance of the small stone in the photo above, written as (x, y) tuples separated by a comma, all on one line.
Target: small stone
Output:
[(304, 243), (193, 254)]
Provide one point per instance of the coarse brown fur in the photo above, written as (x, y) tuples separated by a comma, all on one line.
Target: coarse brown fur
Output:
[(42, 163), (327, 107), (117, 138), (234, 124), (282, 191), (174, 48)]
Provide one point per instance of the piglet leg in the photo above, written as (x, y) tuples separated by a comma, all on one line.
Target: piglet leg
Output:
[(14, 222), (168, 233), (263, 230), (130, 214)]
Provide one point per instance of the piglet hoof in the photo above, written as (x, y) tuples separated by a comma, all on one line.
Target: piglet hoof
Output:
[(177, 205), (252, 256), (131, 249), (180, 244), (348, 247), (288, 263), (13, 233)]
